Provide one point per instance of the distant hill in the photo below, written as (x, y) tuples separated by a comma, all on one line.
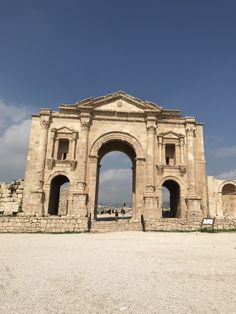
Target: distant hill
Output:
[(166, 204), (116, 205)]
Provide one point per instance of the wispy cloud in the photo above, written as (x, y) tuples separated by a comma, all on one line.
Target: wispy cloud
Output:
[(115, 186), (11, 114), (228, 175), (225, 152), (14, 134)]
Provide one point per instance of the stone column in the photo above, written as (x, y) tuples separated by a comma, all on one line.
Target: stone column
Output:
[(83, 153), (190, 131), (80, 194), (193, 200), (163, 153), (51, 160), (139, 185), (56, 146), (73, 145), (92, 185), (160, 159), (52, 143), (151, 131), (150, 197), (181, 151), (177, 155), (38, 194), (44, 123)]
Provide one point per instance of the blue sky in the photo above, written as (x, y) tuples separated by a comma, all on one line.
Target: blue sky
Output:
[(180, 54)]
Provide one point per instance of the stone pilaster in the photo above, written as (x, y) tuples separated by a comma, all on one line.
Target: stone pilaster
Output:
[(160, 141), (181, 151), (52, 143), (139, 185), (193, 200), (80, 194), (163, 150), (93, 181), (150, 197), (151, 131), (38, 195)]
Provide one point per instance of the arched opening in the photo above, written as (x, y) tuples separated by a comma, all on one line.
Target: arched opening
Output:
[(170, 199), (58, 199), (229, 200), (115, 186)]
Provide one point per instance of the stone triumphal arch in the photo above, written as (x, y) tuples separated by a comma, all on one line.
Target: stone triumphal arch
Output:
[(166, 150)]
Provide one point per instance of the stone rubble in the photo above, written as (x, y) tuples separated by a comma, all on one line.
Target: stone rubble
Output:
[(11, 197)]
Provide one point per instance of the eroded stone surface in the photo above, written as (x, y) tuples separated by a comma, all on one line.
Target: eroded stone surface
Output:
[(166, 150)]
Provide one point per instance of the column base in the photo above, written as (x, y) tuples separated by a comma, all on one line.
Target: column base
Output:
[(79, 204), (151, 208), (34, 203), (194, 207)]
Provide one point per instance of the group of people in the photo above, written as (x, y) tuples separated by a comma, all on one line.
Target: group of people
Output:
[(117, 214)]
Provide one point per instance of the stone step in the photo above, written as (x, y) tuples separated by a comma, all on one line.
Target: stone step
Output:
[(109, 226)]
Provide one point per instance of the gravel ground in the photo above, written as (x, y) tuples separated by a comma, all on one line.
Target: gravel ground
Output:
[(129, 272)]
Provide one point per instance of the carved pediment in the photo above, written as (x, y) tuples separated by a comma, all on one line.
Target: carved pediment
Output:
[(171, 135), (119, 101), (63, 130)]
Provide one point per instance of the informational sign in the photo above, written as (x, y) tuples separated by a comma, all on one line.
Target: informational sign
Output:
[(208, 222)]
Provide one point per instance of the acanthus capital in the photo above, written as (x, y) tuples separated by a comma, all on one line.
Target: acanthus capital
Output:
[(44, 123), (190, 130), (151, 129)]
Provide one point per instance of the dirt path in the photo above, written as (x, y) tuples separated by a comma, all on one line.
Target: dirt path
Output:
[(131, 272)]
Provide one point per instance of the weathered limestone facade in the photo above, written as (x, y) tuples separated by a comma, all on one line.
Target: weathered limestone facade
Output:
[(67, 146), (222, 198), (11, 195)]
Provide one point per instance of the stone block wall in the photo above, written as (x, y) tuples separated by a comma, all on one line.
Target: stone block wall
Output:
[(11, 197), (184, 224), (52, 224), (173, 224), (55, 224)]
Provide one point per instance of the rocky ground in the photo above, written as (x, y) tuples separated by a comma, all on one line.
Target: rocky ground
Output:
[(129, 272)]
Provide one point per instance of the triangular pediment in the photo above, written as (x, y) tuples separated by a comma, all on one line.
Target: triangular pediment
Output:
[(119, 101), (64, 129), (171, 134)]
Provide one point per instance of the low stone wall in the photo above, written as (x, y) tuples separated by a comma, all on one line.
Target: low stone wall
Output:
[(42, 224), (184, 224), (173, 224), (56, 224), (225, 224), (11, 197)]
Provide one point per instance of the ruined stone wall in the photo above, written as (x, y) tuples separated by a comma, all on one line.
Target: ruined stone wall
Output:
[(11, 197), (53, 224), (221, 205)]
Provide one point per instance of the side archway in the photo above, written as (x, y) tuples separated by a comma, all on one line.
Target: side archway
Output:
[(58, 197), (170, 197), (228, 198)]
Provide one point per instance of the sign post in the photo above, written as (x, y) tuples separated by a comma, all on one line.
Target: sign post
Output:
[(208, 223)]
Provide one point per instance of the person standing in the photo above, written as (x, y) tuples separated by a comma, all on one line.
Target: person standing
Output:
[(116, 215)]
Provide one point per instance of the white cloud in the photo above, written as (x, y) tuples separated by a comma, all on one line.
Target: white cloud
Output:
[(14, 134), (228, 175), (115, 186), (115, 175), (225, 152), (10, 114)]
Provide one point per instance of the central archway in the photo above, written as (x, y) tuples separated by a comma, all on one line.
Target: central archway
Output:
[(116, 146)]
